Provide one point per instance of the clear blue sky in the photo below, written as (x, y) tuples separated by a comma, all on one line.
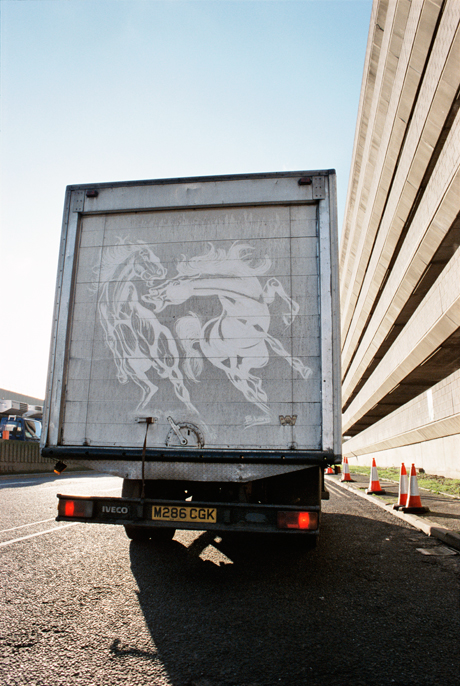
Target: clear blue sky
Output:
[(95, 91)]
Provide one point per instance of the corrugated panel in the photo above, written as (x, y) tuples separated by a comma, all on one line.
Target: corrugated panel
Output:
[(207, 319)]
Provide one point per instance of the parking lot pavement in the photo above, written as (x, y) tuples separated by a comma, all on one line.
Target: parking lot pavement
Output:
[(442, 521)]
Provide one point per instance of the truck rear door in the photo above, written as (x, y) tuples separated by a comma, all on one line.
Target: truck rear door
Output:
[(206, 304)]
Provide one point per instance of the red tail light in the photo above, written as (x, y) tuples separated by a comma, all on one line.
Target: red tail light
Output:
[(69, 508), (298, 520), (75, 508)]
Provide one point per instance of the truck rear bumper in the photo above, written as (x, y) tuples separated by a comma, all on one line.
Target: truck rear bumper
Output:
[(205, 516), (191, 465)]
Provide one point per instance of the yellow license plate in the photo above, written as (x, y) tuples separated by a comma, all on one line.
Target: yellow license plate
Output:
[(169, 513)]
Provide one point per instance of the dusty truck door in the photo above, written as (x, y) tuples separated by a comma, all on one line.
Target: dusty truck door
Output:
[(209, 306)]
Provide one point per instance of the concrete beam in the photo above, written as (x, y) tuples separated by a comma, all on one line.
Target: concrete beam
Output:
[(436, 318), (434, 217)]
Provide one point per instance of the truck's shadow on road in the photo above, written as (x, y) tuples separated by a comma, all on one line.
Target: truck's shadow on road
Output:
[(245, 611)]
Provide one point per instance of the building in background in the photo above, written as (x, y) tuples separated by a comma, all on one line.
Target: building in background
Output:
[(11, 395), (399, 254)]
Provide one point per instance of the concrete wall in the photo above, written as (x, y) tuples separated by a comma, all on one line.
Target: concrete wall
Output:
[(424, 431), (21, 456), (400, 255)]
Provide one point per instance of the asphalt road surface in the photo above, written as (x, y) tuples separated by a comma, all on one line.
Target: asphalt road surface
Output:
[(82, 605)]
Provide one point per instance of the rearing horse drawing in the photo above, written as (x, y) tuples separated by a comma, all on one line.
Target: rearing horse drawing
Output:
[(237, 340), (138, 340)]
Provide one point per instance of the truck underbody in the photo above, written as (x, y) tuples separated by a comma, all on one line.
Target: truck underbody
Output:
[(286, 503)]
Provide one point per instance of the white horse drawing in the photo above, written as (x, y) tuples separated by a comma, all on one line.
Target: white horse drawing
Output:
[(237, 340), (138, 340)]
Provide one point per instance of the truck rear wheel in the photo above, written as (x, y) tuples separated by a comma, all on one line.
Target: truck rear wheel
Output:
[(140, 533), (136, 533), (309, 542), (132, 488)]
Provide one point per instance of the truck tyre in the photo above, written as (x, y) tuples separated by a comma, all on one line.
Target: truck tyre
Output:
[(132, 488), (136, 533), (140, 533), (309, 542)]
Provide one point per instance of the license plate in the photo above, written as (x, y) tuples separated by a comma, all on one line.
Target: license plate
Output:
[(170, 513)]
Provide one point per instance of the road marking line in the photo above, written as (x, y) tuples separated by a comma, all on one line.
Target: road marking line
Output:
[(16, 483), (337, 491), (60, 483), (26, 483), (42, 521), (23, 538)]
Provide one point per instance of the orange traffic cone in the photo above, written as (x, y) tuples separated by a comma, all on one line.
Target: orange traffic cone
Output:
[(414, 503), (346, 471), (402, 499), (329, 470), (374, 483)]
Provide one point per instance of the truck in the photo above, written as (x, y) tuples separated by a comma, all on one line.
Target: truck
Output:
[(20, 421), (195, 352), (14, 428)]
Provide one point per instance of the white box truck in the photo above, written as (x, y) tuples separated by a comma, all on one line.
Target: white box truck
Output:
[(195, 352)]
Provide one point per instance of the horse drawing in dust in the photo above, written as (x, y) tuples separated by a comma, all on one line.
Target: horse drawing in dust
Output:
[(237, 340), (138, 340)]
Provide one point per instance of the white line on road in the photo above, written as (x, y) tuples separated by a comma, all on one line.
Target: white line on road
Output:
[(26, 483), (42, 521), (338, 491), (48, 531), (16, 483), (58, 484)]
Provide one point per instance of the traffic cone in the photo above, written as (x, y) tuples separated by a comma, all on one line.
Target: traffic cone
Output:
[(329, 470), (346, 471), (374, 483), (414, 503), (402, 499)]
